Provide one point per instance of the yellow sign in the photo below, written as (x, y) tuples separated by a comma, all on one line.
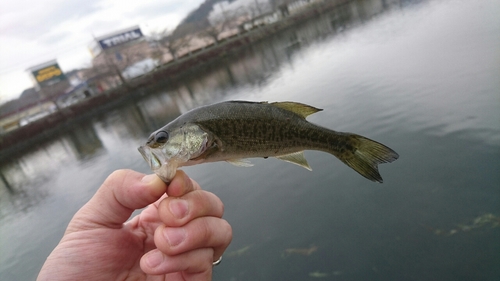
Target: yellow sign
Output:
[(48, 73)]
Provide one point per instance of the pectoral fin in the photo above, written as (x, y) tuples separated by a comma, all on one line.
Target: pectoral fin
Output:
[(296, 158), (240, 162)]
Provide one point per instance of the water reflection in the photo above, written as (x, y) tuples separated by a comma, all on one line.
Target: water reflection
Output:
[(22, 176), (84, 141)]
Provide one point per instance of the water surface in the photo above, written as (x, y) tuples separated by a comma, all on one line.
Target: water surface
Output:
[(419, 76)]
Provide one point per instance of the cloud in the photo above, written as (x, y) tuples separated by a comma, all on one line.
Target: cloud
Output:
[(31, 19)]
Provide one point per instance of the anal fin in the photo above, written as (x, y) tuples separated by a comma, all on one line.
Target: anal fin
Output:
[(296, 158), (240, 162)]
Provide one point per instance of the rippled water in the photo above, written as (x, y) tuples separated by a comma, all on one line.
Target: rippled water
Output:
[(421, 78)]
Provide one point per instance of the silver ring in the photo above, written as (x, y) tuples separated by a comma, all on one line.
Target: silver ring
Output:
[(217, 262)]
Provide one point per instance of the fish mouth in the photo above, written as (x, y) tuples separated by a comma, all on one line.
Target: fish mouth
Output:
[(148, 155), (165, 170)]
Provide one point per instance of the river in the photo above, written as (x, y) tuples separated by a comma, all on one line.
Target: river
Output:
[(419, 76)]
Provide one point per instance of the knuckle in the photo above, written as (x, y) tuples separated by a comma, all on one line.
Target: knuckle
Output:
[(228, 232), (115, 176), (215, 206), (206, 230)]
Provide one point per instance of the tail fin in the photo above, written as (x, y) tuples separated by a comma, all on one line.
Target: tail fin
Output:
[(366, 155)]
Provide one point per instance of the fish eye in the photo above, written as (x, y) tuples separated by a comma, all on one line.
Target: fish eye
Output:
[(161, 137)]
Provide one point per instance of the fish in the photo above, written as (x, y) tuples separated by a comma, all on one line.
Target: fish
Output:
[(234, 131)]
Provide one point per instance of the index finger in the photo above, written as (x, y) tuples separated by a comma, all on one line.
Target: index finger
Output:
[(181, 184)]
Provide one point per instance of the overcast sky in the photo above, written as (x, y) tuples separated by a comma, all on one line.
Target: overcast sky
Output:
[(33, 32)]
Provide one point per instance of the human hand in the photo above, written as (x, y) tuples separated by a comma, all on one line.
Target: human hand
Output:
[(174, 238)]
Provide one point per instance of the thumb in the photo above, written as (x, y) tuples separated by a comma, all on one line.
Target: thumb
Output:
[(122, 193)]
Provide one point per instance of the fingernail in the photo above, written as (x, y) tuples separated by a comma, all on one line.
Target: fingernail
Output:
[(149, 178), (178, 208), (154, 259), (174, 235)]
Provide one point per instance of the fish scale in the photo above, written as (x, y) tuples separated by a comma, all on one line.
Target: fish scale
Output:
[(274, 134)]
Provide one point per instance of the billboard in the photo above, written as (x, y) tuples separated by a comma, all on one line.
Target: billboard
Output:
[(120, 38), (48, 75)]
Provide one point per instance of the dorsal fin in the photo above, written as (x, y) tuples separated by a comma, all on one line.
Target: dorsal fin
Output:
[(301, 109)]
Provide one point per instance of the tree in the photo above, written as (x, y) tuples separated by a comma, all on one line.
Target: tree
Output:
[(257, 8), (213, 30), (213, 27), (174, 42), (110, 64)]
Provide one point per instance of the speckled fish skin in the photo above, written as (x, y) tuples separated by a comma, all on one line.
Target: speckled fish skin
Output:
[(235, 130)]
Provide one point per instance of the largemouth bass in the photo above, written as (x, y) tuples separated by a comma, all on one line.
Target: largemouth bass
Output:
[(236, 130)]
